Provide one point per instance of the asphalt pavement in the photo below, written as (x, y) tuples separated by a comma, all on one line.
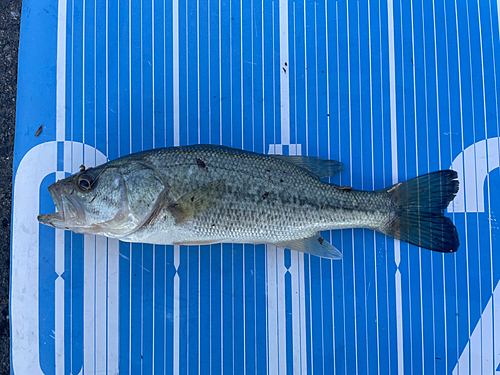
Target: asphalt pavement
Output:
[(10, 19)]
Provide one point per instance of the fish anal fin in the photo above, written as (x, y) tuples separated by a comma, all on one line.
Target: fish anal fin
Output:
[(315, 245)]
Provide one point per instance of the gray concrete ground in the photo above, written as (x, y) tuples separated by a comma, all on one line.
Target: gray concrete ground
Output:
[(10, 18)]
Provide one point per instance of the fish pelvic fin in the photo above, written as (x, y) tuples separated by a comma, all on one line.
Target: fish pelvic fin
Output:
[(320, 168), (315, 245), (419, 216)]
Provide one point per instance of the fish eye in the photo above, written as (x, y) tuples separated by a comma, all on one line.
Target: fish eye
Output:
[(85, 182)]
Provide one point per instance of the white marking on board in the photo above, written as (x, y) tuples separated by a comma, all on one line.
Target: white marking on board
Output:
[(276, 310), (61, 72), (296, 321), (25, 281), (59, 325), (394, 158), (277, 149), (275, 269), (24, 301), (272, 310), (100, 277), (478, 159), (478, 355), (88, 304), (175, 70), (59, 293), (112, 301), (284, 74), (176, 322)]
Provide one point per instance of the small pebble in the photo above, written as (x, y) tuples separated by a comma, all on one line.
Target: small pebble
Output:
[(14, 14)]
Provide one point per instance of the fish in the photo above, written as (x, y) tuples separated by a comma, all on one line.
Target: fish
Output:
[(207, 194)]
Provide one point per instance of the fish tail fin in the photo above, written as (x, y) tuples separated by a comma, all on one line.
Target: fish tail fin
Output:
[(419, 217)]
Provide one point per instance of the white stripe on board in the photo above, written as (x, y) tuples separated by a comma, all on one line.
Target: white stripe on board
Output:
[(415, 129), (61, 72), (164, 79), (130, 80), (59, 300), (59, 325), (84, 98), (176, 318), (153, 85), (392, 82), (475, 354), (241, 77), (131, 260), (296, 312), (222, 311), (101, 278), (302, 309), (199, 309), (444, 315), (113, 273), (186, 297), (94, 75), (253, 77), (327, 71), (373, 184), (220, 74), (339, 148), (284, 73), (483, 161), (153, 340), (463, 171), (198, 76), (142, 300), (175, 71), (394, 159), (107, 78), (350, 182), (496, 326), (451, 157), (89, 304), (272, 310), (154, 146), (118, 87), (263, 80), (496, 321), (362, 168), (24, 309), (280, 276), (388, 332), (498, 15), (186, 81)]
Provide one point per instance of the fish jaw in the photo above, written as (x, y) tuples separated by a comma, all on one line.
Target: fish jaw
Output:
[(68, 212)]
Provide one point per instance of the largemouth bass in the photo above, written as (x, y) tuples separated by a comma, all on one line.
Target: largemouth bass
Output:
[(204, 194)]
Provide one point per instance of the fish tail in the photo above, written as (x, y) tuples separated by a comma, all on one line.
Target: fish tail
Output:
[(419, 215)]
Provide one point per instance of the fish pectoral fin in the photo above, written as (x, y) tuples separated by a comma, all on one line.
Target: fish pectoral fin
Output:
[(321, 168), (315, 245), (197, 201)]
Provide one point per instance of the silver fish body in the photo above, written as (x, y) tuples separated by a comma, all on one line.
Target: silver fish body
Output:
[(208, 194)]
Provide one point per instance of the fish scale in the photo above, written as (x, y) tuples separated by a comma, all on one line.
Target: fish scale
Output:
[(206, 194)]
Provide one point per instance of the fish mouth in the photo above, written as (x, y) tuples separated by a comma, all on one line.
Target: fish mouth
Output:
[(68, 212)]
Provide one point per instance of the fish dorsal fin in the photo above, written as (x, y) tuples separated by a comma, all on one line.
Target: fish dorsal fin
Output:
[(315, 245), (321, 168), (197, 201)]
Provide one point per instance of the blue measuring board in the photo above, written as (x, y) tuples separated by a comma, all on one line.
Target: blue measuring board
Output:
[(391, 89)]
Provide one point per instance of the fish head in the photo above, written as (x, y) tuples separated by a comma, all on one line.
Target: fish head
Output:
[(112, 199)]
